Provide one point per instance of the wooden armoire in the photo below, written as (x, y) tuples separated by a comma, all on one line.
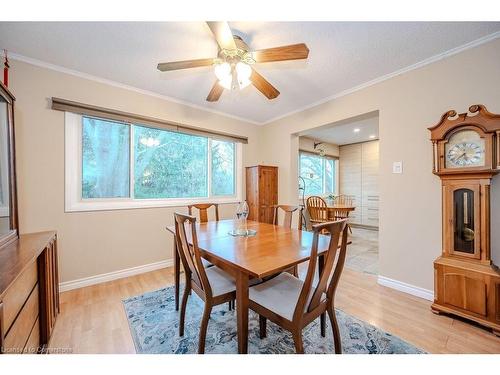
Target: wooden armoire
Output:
[(261, 192)]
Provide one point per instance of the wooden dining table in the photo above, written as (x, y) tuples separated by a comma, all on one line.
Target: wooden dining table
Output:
[(273, 249), (343, 209)]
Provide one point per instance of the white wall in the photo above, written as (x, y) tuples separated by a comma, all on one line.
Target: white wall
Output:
[(93, 243), (410, 207)]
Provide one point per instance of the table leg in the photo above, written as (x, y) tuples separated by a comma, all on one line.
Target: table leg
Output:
[(242, 311), (177, 274), (322, 318)]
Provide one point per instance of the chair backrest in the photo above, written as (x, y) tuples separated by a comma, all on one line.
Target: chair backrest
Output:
[(344, 200), (316, 206), (288, 210), (190, 255), (203, 209), (334, 260)]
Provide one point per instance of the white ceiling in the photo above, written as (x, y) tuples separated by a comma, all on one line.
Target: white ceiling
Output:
[(342, 55), (342, 133)]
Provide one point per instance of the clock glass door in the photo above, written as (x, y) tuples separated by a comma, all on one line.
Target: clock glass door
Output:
[(464, 226)]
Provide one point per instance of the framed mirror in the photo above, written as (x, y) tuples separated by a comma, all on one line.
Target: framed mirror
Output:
[(8, 192)]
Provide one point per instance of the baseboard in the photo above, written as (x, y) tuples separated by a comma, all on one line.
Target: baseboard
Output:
[(97, 279), (406, 288)]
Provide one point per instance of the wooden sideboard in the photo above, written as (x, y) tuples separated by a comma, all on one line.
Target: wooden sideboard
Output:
[(29, 292)]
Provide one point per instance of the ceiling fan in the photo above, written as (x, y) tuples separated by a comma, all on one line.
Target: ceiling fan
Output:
[(233, 64)]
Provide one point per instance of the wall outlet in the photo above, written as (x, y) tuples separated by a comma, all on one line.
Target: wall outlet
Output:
[(397, 167)]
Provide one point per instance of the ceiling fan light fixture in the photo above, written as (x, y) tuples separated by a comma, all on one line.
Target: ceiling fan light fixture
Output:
[(243, 72), (223, 70), (226, 82)]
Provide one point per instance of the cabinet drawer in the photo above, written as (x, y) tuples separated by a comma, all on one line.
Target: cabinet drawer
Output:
[(17, 294), (370, 216), (370, 200), (18, 335), (33, 344)]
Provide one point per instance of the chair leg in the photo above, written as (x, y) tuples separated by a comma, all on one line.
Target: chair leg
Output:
[(262, 326), (203, 328), (185, 296), (297, 340), (295, 271), (322, 323), (335, 329), (230, 305)]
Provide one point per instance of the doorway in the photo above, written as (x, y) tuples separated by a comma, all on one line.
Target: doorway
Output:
[(341, 161)]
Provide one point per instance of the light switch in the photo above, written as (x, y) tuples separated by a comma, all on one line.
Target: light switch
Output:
[(397, 167)]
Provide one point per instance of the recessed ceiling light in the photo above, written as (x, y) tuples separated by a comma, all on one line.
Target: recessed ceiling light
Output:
[(356, 130), (371, 136)]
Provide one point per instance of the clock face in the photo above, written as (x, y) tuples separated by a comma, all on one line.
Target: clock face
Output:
[(465, 149)]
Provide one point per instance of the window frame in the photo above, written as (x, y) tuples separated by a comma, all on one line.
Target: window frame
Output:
[(73, 176), (323, 182)]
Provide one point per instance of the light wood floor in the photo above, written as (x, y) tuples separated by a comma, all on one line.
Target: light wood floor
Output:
[(92, 319)]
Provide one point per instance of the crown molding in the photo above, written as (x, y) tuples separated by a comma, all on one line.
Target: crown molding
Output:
[(430, 60), (90, 77)]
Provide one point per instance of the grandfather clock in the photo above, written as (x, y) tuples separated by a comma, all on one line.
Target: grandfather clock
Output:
[(466, 157)]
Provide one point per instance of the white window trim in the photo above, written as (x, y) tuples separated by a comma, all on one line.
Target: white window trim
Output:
[(73, 173)]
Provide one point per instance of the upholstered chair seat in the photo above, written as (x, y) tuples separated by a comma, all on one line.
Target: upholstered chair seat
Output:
[(280, 294), (220, 281), (206, 263)]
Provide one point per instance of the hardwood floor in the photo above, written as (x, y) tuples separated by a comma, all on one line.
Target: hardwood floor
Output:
[(93, 320)]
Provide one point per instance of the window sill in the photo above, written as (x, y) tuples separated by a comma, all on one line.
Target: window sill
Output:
[(126, 204)]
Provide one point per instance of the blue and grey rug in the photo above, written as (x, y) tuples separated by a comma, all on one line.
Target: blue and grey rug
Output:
[(155, 329)]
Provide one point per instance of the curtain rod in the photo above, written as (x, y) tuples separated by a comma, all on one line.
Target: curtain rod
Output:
[(59, 104)]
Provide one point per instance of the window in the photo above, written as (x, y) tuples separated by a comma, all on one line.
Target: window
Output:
[(169, 165), (319, 173), (105, 159), (112, 164)]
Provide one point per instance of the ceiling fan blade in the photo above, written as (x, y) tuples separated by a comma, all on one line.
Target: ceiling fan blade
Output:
[(186, 64), (263, 85), (215, 92), (223, 34), (291, 52)]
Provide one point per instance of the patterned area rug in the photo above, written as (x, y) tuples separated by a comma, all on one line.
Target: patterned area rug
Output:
[(155, 329)]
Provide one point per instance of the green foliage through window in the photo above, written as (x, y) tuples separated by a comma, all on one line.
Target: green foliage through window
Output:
[(165, 164), (318, 173), (105, 159), (169, 165), (222, 168)]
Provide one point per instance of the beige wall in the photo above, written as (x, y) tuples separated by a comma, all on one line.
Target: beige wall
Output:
[(410, 213), (307, 144), (93, 243)]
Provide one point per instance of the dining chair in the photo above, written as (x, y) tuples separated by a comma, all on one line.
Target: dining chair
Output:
[(203, 210), (338, 214), (287, 222), (317, 209), (212, 285), (292, 303), (288, 212)]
